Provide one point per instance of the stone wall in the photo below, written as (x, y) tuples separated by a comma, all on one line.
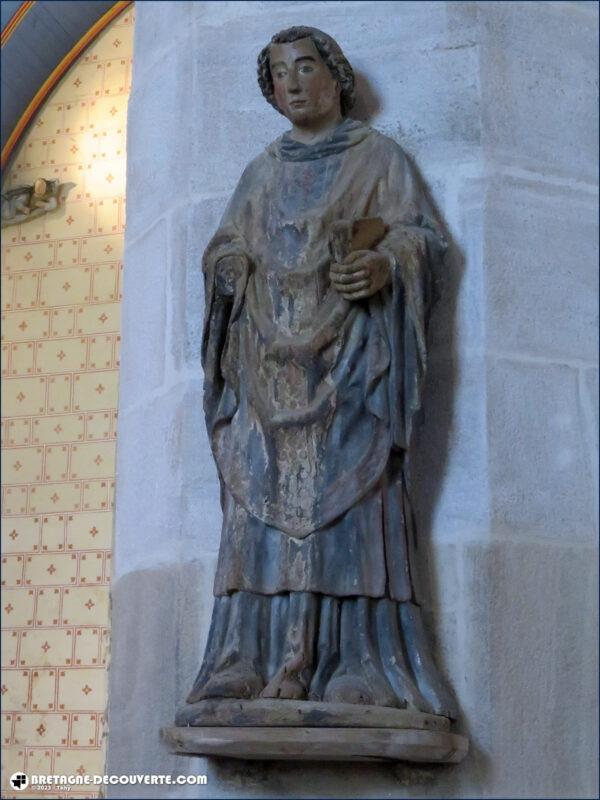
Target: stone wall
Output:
[(497, 105)]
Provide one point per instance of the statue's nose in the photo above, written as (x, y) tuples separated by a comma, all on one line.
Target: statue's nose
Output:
[(293, 85)]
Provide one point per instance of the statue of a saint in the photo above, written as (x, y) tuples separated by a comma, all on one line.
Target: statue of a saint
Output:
[(314, 349)]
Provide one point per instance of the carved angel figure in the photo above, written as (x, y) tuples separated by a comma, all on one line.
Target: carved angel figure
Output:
[(29, 202)]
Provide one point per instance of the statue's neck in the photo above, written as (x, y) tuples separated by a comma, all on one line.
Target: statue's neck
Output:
[(317, 130)]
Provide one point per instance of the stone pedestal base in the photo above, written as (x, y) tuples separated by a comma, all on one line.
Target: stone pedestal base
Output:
[(306, 731)]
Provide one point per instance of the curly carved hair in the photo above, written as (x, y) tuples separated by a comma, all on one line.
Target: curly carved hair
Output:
[(328, 49)]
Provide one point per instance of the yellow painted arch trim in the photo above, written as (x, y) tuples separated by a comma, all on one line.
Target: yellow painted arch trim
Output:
[(14, 21), (57, 74)]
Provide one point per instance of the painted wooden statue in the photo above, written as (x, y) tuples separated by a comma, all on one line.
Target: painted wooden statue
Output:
[(314, 350)]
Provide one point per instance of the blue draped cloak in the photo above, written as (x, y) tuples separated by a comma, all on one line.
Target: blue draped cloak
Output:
[(310, 398)]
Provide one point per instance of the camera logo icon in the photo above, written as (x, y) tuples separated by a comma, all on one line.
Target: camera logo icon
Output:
[(19, 781)]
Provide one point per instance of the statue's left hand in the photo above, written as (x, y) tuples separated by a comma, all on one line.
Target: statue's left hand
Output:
[(363, 273), (230, 269)]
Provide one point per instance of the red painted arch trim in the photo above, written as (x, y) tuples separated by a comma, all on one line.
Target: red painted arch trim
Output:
[(14, 21)]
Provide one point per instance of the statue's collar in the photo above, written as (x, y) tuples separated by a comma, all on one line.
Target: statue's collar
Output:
[(347, 134)]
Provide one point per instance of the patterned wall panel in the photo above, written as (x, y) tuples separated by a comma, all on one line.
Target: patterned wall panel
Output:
[(61, 281)]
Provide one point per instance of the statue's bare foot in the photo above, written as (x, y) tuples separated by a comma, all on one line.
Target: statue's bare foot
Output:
[(349, 689), (361, 690), (240, 681), (285, 686)]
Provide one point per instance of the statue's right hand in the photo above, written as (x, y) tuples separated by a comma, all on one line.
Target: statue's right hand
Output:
[(229, 270)]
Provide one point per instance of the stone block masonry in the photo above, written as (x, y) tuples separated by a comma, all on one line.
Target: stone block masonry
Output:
[(497, 104)]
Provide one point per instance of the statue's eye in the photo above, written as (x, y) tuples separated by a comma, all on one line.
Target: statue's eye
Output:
[(280, 74), (306, 68)]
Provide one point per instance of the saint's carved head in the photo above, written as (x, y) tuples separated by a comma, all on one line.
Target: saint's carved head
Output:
[(304, 74)]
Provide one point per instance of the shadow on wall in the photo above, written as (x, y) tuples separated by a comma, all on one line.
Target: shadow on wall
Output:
[(368, 103), (430, 446)]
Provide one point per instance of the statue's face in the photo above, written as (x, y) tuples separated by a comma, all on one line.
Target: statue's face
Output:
[(305, 90), (39, 187)]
